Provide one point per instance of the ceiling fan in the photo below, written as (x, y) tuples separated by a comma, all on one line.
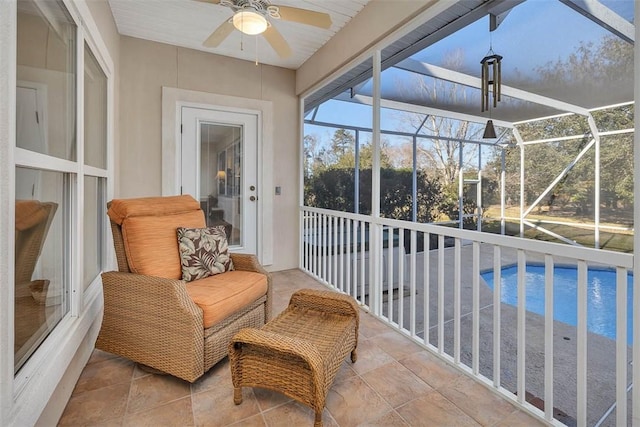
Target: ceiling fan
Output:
[(254, 17)]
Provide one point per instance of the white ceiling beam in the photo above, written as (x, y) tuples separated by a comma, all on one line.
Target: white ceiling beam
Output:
[(605, 17), (436, 72), (421, 109)]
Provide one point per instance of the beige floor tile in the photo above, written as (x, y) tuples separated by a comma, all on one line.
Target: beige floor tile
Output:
[(370, 326), (362, 394), (216, 408), (280, 302), (96, 406), (254, 421), (390, 419), (396, 384), (107, 371), (370, 357), (295, 414), (139, 372), (353, 401), (474, 399), (218, 376), (396, 345), (519, 419), (100, 356), (155, 390), (433, 409), (431, 369), (176, 413), (346, 371), (117, 422), (268, 399)]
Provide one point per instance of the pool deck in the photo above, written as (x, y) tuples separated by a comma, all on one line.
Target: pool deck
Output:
[(600, 353)]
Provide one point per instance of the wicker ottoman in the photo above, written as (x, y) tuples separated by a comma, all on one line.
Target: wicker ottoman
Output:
[(300, 351)]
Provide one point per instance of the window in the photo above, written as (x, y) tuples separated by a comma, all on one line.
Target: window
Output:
[(45, 124), (41, 266), (95, 158), (60, 175)]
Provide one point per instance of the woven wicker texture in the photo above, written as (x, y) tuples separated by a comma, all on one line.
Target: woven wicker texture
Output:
[(33, 220), (152, 320), (300, 351)]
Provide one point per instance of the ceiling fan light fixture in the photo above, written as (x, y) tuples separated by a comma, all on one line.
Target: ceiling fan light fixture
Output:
[(249, 22)]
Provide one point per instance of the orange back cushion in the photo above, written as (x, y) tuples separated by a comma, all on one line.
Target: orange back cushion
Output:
[(149, 232)]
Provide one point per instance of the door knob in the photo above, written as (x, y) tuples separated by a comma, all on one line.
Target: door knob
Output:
[(252, 198)]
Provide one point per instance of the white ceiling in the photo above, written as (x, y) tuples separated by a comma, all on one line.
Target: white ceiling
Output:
[(187, 23)]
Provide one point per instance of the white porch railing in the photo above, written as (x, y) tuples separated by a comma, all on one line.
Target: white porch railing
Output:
[(425, 280)]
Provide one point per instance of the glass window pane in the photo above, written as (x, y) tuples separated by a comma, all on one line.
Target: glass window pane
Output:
[(94, 220), (95, 112), (221, 177), (42, 242), (46, 76)]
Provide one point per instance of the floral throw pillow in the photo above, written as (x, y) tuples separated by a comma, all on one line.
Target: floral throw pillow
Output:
[(203, 252)]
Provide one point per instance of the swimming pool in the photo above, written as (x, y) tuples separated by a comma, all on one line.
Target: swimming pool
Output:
[(601, 295)]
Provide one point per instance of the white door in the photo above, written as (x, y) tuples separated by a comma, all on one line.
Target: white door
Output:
[(219, 168)]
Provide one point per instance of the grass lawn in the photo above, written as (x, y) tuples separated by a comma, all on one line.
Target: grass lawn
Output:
[(619, 241)]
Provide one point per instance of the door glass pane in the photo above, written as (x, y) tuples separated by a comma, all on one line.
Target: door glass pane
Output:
[(46, 76), (95, 112), (221, 177), (42, 255)]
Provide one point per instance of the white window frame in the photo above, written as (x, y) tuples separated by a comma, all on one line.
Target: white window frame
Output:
[(25, 395)]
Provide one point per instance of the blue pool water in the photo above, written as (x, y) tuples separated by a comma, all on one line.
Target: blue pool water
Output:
[(601, 295)]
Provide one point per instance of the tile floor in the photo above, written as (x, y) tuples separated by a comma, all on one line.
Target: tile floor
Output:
[(394, 383)]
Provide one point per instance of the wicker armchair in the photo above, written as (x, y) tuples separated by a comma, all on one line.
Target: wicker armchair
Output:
[(33, 219), (154, 320)]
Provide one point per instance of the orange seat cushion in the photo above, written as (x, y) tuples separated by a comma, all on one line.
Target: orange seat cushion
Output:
[(149, 231), (222, 295)]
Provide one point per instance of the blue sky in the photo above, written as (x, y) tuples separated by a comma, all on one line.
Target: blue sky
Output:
[(533, 34)]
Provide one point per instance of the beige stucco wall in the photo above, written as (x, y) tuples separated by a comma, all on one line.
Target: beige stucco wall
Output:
[(375, 21), (148, 66)]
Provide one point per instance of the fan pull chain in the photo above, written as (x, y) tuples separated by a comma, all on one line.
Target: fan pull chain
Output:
[(256, 37)]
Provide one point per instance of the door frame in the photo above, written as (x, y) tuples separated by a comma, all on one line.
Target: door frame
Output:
[(173, 100)]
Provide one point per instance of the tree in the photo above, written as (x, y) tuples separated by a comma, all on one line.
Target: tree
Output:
[(441, 152), (333, 188), (342, 143), (589, 66), (313, 155)]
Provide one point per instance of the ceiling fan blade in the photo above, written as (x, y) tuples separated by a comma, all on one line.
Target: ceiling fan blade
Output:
[(209, 1), (218, 36), (277, 42), (304, 16)]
